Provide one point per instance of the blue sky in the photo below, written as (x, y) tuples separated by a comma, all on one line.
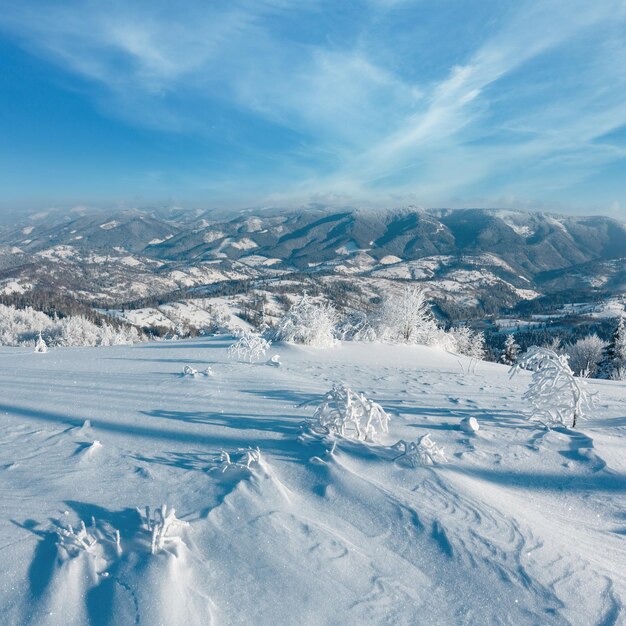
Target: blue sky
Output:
[(270, 102)]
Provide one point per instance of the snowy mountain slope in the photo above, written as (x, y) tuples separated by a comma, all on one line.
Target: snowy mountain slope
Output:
[(521, 526), (118, 257)]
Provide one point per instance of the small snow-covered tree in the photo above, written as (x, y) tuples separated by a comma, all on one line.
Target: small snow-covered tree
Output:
[(585, 355), (407, 318), (40, 344), (349, 414), (356, 326), (555, 394), (249, 347), (309, 323), (619, 373), (511, 351), (467, 342), (614, 357)]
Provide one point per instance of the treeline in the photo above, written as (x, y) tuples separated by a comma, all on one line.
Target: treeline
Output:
[(56, 305)]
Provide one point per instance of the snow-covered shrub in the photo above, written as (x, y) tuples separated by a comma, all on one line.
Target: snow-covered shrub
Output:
[(308, 323), (355, 326), (349, 414), (40, 345), (618, 373), (242, 458), (193, 372), (555, 394), (249, 347), (75, 541), (585, 355), (407, 318), (424, 451), (159, 526), (467, 342), (87, 539), (511, 351)]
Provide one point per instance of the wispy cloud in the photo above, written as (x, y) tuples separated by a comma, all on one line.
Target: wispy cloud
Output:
[(316, 99)]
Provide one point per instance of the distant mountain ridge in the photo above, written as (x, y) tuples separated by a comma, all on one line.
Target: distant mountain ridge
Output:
[(139, 253)]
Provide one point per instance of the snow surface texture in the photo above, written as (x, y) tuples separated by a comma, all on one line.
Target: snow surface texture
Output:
[(278, 525)]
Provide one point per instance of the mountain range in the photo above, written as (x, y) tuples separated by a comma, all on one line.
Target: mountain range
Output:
[(481, 259)]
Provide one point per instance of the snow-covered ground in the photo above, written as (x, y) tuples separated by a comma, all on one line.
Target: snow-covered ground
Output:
[(520, 526)]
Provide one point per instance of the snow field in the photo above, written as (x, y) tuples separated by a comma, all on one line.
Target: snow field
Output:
[(520, 525)]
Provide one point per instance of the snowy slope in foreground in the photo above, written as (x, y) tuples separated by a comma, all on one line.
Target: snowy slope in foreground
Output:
[(521, 526)]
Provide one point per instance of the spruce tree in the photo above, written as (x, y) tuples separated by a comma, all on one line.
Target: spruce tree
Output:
[(614, 359), (511, 350)]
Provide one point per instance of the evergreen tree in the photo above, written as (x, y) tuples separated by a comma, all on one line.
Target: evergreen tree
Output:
[(40, 345), (511, 351), (614, 359)]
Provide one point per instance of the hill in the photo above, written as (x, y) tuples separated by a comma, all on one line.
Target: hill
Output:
[(521, 525)]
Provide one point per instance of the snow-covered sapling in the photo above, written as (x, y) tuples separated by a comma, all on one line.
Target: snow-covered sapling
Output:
[(349, 414), (309, 323), (40, 344), (613, 364), (249, 347), (511, 351), (585, 355), (424, 451), (407, 318), (555, 395)]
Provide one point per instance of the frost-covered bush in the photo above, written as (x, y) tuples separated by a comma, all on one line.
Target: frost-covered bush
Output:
[(619, 373), (87, 539), (467, 342), (585, 355), (349, 414), (309, 323), (159, 526), (355, 326), (194, 373), (555, 395), (249, 347), (407, 318), (424, 451), (242, 458)]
